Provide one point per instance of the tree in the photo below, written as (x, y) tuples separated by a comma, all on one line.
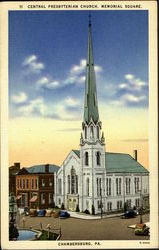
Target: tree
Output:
[(62, 206), (77, 208), (93, 210)]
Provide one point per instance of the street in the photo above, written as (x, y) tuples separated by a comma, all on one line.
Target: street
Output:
[(79, 229)]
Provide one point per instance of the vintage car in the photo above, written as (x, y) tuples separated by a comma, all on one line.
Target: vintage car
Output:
[(64, 214), (141, 229), (129, 214)]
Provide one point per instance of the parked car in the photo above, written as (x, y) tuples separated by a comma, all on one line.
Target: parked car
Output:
[(141, 229), (129, 214), (64, 214)]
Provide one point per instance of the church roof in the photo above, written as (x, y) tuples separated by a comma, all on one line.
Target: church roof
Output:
[(120, 163), (41, 169), (90, 104)]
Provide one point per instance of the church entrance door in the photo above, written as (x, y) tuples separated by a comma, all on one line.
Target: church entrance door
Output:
[(72, 203)]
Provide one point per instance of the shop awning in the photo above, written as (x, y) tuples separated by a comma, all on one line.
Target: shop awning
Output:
[(18, 197), (33, 199)]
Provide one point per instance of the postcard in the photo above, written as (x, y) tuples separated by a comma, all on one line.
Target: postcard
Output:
[(79, 125)]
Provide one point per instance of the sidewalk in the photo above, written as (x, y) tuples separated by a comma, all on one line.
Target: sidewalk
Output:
[(92, 217)]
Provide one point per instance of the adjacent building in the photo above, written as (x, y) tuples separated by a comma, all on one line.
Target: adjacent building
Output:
[(13, 171), (35, 186)]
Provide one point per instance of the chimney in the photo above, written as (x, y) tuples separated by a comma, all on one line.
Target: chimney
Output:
[(47, 168), (135, 155), (17, 165)]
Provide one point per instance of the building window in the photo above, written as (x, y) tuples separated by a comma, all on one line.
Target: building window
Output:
[(32, 183), (68, 184), (109, 206), (128, 202), (50, 198), (85, 130), (74, 181), (92, 132), (23, 185), (87, 186), (86, 159), (59, 201), (17, 183), (43, 182), (97, 132), (118, 186), (20, 183), (98, 158), (99, 204), (136, 182), (50, 182), (108, 186), (27, 183), (73, 184), (59, 186), (99, 186), (36, 183), (42, 198), (137, 203), (119, 205), (87, 205), (128, 182)]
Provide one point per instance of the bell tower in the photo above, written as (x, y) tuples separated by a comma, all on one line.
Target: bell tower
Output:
[(92, 141)]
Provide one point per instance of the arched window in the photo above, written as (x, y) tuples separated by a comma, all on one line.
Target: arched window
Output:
[(68, 183), (87, 186), (85, 130), (97, 132), (73, 182), (92, 132), (86, 159), (98, 158)]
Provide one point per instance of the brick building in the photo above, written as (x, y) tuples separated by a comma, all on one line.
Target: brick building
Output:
[(35, 186), (13, 171)]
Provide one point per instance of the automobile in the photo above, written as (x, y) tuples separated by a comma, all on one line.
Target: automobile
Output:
[(141, 229), (64, 214), (129, 214)]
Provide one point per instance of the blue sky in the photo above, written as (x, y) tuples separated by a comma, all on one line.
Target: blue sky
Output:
[(47, 57)]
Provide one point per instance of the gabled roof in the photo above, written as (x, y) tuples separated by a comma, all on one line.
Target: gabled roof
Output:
[(77, 152), (120, 163), (41, 169)]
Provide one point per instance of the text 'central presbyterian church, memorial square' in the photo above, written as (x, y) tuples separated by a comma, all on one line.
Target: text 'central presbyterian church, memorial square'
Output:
[(91, 179)]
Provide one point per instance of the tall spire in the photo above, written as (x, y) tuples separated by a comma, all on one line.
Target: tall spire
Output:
[(90, 105)]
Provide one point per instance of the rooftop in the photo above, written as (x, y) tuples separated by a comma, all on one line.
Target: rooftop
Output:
[(120, 163)]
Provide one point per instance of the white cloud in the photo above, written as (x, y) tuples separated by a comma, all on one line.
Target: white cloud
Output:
[(35, 106), (20, 98), (72, 102), (32, 64), (132, 98), (98, 69), (132, 83), (47, 83), (78, 71)]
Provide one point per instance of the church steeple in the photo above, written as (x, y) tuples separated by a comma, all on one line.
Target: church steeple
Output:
[(91, 125), (90, 105)]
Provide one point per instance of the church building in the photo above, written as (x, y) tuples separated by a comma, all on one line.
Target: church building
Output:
[(92, 179)]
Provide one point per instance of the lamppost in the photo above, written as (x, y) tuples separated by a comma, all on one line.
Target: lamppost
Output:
[(141, 207)]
